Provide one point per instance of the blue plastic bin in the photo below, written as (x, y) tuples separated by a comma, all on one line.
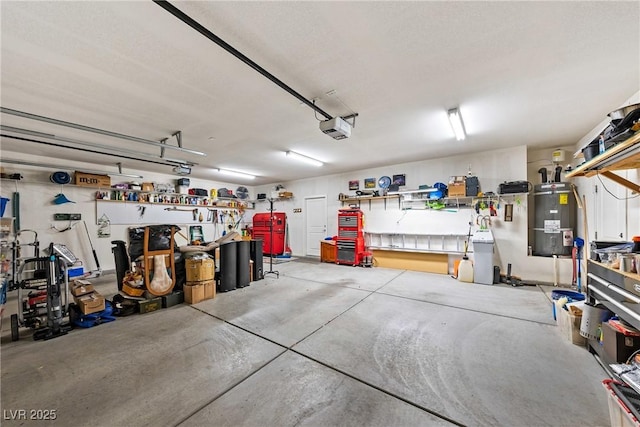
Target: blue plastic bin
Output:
[(571, 296)]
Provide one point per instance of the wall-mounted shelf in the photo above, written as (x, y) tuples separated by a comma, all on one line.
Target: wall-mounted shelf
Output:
[(215, 205), (359, 199), (455, 202), (408, 201), (625, 155)]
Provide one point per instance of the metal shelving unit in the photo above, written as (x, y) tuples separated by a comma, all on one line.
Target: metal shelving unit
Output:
[(416, 242)]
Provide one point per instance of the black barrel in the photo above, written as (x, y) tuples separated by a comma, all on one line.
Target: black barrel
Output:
[(242, 263), (228, 272), (121, 259), (256, 257)]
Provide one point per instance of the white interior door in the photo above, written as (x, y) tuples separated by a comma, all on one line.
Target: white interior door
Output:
[(315, 209)]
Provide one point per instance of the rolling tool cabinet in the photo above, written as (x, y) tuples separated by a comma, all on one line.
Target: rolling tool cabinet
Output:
[(350, 242), (262, 229)]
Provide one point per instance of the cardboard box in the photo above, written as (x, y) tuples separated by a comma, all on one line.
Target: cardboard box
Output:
[(81, 287), (209, 289), (131, 291), (92, 180), (457, 189), (193, 293), (90, 303), (149, 305), (174, 298), (569, 322), (147, 186), (618, 346), (199, 270)]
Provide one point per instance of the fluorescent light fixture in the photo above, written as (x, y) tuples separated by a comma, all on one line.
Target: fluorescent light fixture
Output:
[(300, 157), (456, 123), (236, 174), (80, 169)]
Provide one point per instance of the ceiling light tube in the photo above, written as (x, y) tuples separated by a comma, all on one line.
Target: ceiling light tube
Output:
[(236, 174), (456, 123), (305, 159)]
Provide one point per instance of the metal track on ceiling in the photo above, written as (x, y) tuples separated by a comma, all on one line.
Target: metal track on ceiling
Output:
[(235, 52)]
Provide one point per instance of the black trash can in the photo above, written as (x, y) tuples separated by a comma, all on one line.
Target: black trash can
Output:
[(257, 258), (228, 264), (242, 263), (123, 264)]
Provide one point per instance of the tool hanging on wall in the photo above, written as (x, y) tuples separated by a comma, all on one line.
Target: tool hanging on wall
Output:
[(508, 212), (104, 226), (98, 271), (484, 221), (492, 209)]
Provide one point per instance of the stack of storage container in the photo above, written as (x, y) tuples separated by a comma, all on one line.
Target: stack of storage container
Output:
[(200, 285)]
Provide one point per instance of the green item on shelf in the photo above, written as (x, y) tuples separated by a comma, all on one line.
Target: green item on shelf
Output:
[(436, 205)]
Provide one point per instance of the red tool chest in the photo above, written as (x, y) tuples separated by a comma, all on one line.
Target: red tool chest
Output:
[(262, 223), (350, 242)]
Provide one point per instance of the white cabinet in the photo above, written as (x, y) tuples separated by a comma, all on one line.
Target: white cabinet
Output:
[(610, 209)]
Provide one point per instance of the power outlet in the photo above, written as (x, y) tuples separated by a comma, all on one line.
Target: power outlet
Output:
[(67, 217)]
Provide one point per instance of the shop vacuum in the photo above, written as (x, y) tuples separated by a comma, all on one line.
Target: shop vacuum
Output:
[(55, 312)]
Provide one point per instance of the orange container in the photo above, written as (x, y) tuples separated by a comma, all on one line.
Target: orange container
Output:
[(456, 265)]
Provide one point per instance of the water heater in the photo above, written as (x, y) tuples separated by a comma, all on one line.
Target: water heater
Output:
[(555, 219)]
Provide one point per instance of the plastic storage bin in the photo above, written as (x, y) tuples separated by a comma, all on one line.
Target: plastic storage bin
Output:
[(619, 414), (571, 297)]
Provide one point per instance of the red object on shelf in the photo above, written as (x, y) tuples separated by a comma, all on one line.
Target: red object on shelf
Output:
[(350, 241), (262, 223)]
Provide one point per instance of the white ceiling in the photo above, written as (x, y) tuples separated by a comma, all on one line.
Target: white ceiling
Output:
[(536, 73)]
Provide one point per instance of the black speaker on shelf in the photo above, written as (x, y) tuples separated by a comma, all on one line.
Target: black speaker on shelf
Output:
[(228, 264), (257, 258), (242, 263)]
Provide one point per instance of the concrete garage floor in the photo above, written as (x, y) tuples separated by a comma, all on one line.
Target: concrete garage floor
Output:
[(321, 345)]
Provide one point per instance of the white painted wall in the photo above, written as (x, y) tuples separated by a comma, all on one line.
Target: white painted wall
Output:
[(491, 168)]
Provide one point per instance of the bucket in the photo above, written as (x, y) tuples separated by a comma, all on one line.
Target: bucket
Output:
[(571, 297), (465, 271), (3, 205), (592, 318)]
